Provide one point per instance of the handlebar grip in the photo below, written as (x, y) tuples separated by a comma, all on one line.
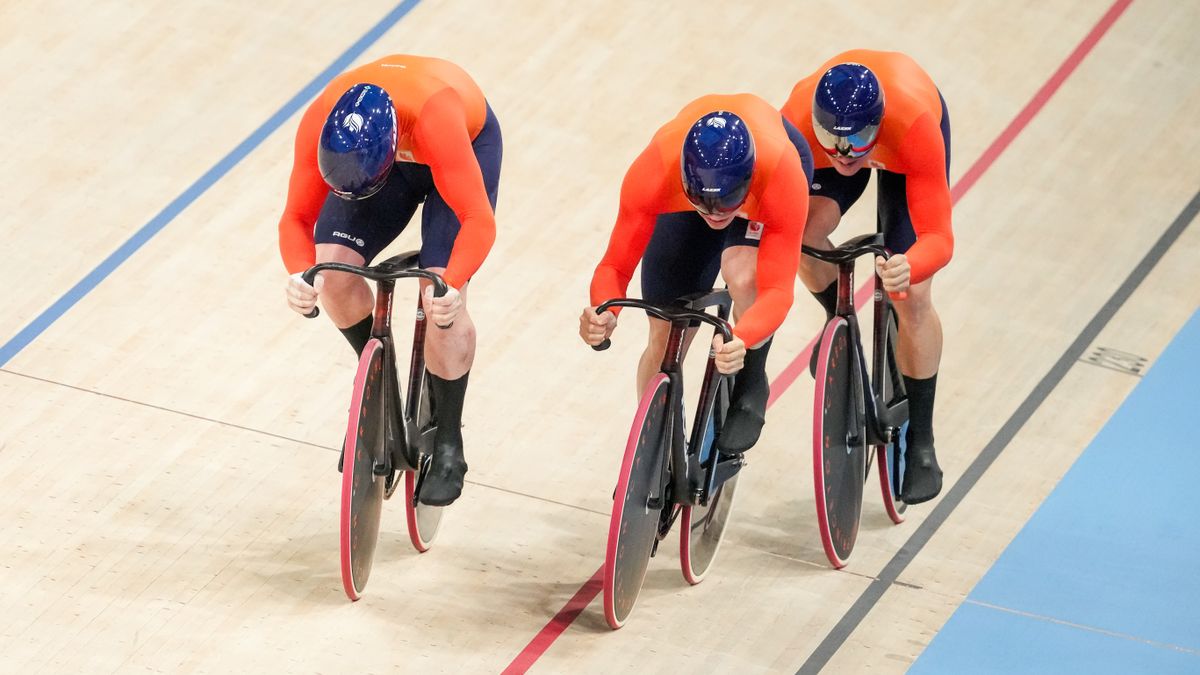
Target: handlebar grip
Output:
[(603, 345), (440, 290), (309, 278)]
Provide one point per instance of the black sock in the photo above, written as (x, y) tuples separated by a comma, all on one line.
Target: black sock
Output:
[(359, 334), (828, 299), (920, 410), (448, 397), (444, 483), (922, 475), (752, 378), (748, 403)]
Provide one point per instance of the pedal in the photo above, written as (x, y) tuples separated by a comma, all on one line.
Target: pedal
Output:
[(727, 467)]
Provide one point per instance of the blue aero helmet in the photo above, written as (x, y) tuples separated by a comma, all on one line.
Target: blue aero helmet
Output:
[(358, 142), (717, 163), (847, 110)]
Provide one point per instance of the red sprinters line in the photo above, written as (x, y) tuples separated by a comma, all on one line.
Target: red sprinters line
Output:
[(1038, 101), (565, 617), (561, 621)]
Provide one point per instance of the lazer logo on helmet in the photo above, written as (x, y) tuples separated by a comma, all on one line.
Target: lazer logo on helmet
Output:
[(718, 122), (710, 189), (842, 128), (356, 240), (353, 122)]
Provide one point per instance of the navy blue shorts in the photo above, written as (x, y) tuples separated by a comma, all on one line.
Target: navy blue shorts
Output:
[(684, 253), (893, 217), (369, 225)]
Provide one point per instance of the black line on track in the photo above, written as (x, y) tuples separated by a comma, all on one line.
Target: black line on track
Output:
[(950, 501), (261, 432)]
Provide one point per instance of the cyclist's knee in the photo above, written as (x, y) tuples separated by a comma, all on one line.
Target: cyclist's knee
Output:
[(738, 269), (919, 303), (824, 216), (656, 340), (341, 288)]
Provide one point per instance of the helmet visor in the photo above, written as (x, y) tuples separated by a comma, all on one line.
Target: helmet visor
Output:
[(717, 204), (854, 145), (361, 190)]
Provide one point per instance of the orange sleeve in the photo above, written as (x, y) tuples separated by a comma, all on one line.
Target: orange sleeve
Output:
[(441, 140), (306, 193), (636, 217), (928, 194), (783, 212)]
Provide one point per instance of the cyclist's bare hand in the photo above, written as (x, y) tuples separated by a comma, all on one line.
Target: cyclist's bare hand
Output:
[(300, 296), (894, 271), (596, 328), (444, 310), (730, 355)]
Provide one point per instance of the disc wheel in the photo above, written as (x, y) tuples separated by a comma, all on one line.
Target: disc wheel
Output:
[(634, 523), (362, 489), (839, 443)]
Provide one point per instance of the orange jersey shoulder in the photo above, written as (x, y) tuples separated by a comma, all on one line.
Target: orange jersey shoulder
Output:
[(411, 81)]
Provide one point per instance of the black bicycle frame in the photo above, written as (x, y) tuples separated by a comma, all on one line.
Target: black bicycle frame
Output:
[(385, 274), (883, 417), (680, 480)]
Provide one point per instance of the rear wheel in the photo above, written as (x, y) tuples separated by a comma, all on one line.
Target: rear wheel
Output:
[(362, 487), (839, 442), (703, 527), (634, 523), (891, 456), (423, 520), (891, 469)]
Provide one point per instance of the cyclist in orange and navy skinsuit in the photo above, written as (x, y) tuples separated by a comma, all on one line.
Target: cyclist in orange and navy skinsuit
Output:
[(866, 110), (376, 143), (722, 187)]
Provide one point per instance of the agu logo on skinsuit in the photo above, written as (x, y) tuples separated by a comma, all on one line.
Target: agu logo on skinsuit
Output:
[(718, 122), (356, 241), (353, 122), (754, 230)]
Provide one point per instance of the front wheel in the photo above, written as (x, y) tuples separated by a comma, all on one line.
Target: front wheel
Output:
[(362, 487), (839, 442), (634, 523)]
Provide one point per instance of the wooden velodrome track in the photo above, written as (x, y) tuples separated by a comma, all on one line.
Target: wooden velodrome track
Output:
[(168, 436)]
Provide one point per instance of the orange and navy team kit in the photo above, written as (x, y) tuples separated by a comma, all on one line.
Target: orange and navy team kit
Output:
[(911, 157), (680, 253), (449, 149)]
